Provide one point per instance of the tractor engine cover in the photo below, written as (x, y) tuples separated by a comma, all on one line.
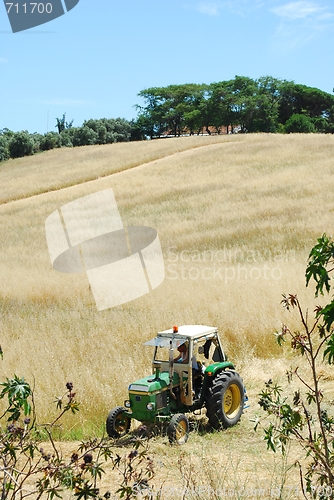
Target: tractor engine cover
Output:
[(150, 396)]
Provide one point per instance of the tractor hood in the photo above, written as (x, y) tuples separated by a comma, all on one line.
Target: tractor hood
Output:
[(151, 384)]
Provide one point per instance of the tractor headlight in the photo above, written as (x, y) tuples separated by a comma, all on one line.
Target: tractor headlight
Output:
[(127, 403), (150, 406)]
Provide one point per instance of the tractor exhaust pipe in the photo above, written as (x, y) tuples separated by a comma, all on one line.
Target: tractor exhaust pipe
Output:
[(157, 367)]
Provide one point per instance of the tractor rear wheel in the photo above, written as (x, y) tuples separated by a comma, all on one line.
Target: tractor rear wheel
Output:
[(178, 429), (118, 423), (225, 400)]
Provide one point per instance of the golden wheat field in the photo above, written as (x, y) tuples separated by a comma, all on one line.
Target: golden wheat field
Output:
[(236, 217)]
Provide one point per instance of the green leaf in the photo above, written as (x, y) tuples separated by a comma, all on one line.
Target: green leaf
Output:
[(280, 338), (328, 315), (256, 421), (296, 419), (269, 437), (329, 351), (296, 398), (17, 389), (310, 398), (86, 491), (55, 493), (97, 471), (320, 256)]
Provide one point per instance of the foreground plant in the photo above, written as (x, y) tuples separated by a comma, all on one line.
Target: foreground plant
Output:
[(304, 416), (28, 469)]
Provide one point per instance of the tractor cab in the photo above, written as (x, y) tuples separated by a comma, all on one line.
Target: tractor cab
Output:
[(187, 351)]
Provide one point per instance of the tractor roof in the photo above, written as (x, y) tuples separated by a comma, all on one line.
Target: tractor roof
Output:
[(189, 331), (184, 334)]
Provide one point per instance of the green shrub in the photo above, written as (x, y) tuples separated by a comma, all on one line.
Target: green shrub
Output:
[(299, 124), (51, 140), (21, 144), (4, 149)]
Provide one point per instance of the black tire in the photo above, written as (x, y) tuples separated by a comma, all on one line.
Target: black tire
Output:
[(118, 424), (178, 429), (225, 400)]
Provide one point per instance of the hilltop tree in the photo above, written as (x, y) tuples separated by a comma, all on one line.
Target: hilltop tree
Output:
[(62, 124), (300, 99), (266, 105), (152, 114), (222, 106), (171, 109), (244, 99)]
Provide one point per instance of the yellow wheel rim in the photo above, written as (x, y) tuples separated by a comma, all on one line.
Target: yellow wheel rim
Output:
[(181, 431), (232, 401)]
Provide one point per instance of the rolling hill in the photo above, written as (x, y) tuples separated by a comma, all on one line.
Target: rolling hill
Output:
[(236, 217)]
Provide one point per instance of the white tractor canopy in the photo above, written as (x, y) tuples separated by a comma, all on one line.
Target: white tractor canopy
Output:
[(190, 332), (203, 342), (165, 341), (184, 334)]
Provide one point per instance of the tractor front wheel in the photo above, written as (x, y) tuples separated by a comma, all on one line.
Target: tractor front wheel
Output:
[(118, 423), (178, 429), (225, 400)]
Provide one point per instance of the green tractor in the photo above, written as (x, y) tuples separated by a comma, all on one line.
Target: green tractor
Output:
[(190, 372)]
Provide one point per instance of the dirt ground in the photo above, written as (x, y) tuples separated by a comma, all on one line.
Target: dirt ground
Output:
[(229, 464)]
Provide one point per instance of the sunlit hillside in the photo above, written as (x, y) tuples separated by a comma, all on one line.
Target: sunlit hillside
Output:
[(236, 217)]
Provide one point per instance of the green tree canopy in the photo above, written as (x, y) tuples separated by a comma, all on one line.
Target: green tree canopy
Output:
[(299, 123), (4, 149), (109, 130), (62, 124), (263, 105), (21, 144)]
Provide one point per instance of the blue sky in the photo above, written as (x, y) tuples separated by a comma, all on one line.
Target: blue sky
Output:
[(93, 61)]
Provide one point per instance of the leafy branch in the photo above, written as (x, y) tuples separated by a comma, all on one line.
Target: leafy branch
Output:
[(23, 461), (305, 418)]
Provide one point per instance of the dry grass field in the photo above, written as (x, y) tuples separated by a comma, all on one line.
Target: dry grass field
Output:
[(236, 217)]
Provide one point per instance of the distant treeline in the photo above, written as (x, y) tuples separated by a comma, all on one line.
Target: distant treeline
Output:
[(240, 105), (103, 131)]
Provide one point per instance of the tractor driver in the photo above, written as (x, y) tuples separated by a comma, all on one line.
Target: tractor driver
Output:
[(183, 357)]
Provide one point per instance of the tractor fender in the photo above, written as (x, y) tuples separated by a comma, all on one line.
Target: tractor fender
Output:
[(211, 372)]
